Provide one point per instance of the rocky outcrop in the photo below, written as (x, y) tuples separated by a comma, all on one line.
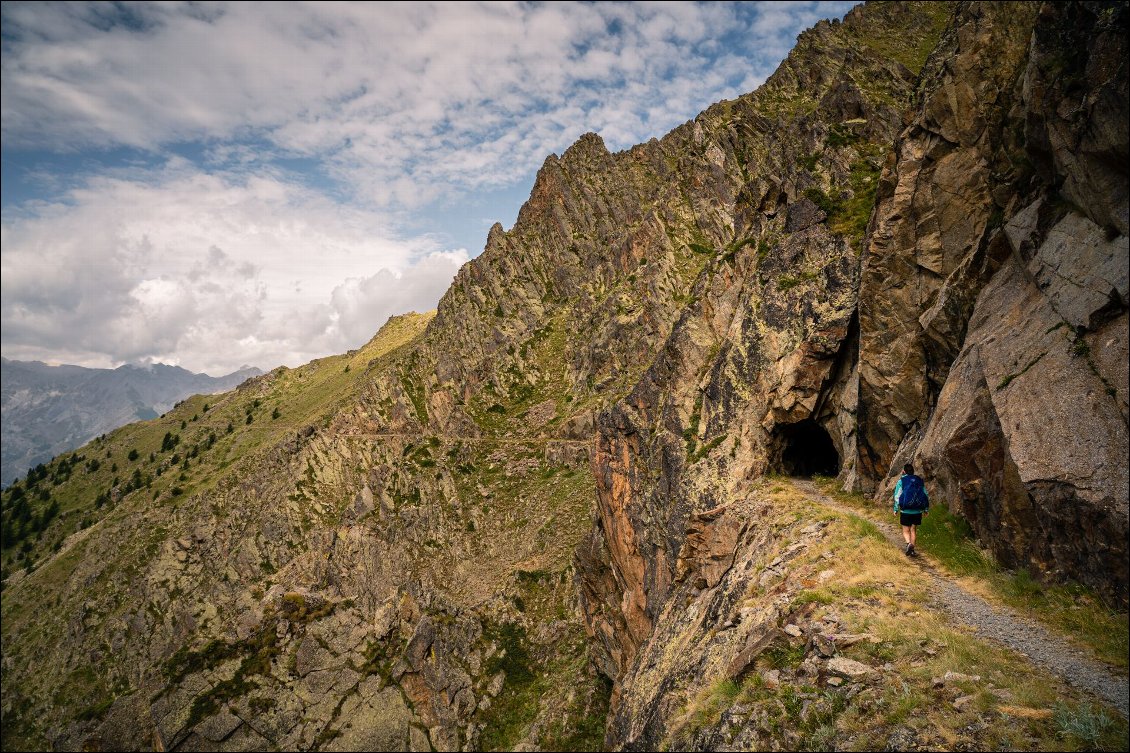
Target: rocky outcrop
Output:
[(353, 581), (1028, 439), (759, 360), (682, 644), (936, 233), (909, 244), (975, 354), (980, 333)]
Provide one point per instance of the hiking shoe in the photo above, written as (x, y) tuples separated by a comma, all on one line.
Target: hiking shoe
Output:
[(909, 549)]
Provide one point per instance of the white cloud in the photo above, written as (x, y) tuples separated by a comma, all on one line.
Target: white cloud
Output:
[(220, 259), (184, 269), (404, 101), (358, 302)]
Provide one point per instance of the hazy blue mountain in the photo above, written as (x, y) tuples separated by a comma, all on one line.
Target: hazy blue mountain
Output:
[(51, 409)]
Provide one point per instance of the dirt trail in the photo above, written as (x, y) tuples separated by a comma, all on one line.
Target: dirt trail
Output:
[(1005, 625)]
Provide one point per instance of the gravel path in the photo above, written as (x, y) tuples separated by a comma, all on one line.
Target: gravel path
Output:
[(1006, 626)]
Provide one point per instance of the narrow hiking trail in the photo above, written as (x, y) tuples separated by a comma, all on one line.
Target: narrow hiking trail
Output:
[(1003, 624)]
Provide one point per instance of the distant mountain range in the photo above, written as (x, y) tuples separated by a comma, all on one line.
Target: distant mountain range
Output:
[(556, 513), (51, 409)]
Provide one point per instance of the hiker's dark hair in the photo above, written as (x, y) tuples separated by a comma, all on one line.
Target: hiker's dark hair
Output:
[(908, 469)]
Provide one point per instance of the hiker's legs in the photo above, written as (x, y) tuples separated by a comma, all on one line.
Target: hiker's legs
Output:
[(913, 540), (908, 534)]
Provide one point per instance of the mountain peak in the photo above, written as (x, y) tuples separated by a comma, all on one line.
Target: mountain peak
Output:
[(558, 515), (589, 146), (48, 410)]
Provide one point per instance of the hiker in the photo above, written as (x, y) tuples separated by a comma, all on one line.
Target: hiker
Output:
[(911, 503)]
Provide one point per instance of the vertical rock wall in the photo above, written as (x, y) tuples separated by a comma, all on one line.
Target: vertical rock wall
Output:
[(766, 343), (993, 308), (981, 332)]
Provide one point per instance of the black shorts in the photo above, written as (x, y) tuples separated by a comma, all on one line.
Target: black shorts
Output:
[(910, 518)]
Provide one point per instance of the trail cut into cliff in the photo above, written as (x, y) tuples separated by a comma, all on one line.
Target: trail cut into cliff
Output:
[(546, 516)]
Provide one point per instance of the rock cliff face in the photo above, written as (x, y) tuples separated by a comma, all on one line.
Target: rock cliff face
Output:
[(752, 372), (980, 333), (994, 291), (906, 245)]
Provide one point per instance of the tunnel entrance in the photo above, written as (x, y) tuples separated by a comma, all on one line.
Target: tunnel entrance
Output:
[(806, 449)]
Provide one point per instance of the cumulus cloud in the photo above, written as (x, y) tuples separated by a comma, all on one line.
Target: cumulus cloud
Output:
[(282, 157), (358, 302), (209, 271), (403, 101)]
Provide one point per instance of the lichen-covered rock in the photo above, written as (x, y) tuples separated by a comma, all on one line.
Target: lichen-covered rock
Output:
[(374, 720), (981, 295), (930, 248), (1006, 444), (984, 286), (908, 245), (760, 355)]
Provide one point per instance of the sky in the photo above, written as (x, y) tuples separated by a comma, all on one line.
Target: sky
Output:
[(214, 185)]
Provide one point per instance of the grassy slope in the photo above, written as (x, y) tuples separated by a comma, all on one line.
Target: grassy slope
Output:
[(521, 512), (1013, 706), (516, 508), (1073, 611), (206, 434), (212, 433)]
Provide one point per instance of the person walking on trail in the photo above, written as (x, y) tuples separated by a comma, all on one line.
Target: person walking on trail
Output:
[(911, 503)]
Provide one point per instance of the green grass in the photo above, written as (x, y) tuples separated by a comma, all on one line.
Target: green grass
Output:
[(776, 103), (184, 452), (690, 434), (825, 202), (586, 731), (1070, 609), (910, 46), (852, 214), (788, 282), (1008, 379), (417, 397), (705, 449), (784, 654), (840, 135), (706, 710), (577, 700), (865, 528), (517, 705), (1086, 728), (849, 217), (869, 594), (949, 539)]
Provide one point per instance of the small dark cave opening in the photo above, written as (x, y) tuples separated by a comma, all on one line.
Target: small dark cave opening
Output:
[(805, 449)]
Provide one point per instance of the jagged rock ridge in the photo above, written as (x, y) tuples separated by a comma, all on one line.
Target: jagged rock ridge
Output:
[(385, 549), (982, 334)]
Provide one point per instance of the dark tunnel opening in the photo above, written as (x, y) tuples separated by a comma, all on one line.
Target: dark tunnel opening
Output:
[(806, 449)]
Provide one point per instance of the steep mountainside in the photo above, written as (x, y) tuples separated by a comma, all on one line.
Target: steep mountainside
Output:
[(49, 410), (985, 339), (539, 518)]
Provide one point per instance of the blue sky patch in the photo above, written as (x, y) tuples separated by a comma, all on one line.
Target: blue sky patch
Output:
[(182, 183)]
